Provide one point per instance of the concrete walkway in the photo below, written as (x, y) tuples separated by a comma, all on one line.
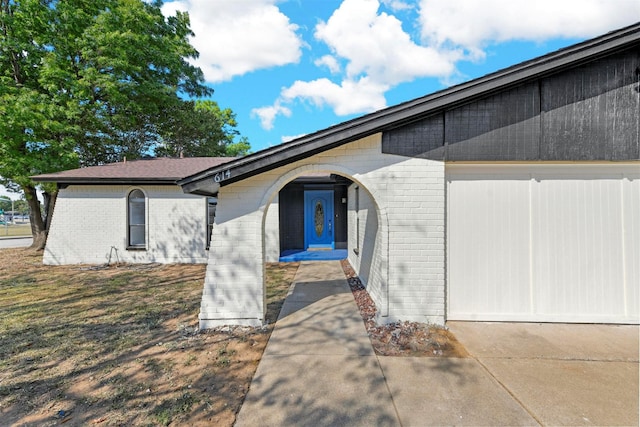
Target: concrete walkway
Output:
[(319, 369)]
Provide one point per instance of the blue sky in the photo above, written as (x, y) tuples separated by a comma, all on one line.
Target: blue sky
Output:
[(291, 67)]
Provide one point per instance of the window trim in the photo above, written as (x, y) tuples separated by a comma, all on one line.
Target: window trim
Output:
[(140, 246)]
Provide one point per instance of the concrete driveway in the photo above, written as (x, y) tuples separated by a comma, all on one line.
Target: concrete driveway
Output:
[(560, 374)]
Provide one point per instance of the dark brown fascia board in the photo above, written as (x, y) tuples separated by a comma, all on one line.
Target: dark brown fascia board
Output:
[(108, 181), (202, 187), (407, 112), (204, 193), (330, 179)]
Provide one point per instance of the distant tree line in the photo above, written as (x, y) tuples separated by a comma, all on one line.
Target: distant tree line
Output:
[(21, 207)]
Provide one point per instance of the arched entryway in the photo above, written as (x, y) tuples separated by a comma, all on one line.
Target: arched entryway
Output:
[(363, 234), (403, 267)]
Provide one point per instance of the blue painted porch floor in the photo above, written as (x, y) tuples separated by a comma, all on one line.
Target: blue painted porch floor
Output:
[(313, 255)]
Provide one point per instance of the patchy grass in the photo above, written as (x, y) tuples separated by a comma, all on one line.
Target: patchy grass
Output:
[(15, 230), (120, 346)]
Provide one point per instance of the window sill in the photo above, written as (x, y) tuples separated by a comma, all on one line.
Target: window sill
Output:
[(136, 248)]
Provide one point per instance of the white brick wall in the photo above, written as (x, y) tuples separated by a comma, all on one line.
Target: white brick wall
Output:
[(405, 239), (233, 288), (365, 245), (272, 232), (88, 221)]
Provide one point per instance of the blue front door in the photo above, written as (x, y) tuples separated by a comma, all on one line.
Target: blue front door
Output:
[(318, 219)]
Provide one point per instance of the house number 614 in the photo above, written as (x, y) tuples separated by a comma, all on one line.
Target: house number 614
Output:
[(221, 176)]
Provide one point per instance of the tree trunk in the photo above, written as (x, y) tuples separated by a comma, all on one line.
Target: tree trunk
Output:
[(49, 205), (38, 230)]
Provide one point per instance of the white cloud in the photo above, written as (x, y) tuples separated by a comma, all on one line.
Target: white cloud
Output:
[(374, 44), (287, 138), (397, 5), (473, 24), (268, 114), (237, 37), (350, 97), (328, 61)]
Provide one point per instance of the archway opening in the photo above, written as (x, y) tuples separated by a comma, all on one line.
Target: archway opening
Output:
[(360, 226), (312, 218)]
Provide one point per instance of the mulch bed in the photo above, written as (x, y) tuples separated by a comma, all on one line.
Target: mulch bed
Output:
[(401, 338)]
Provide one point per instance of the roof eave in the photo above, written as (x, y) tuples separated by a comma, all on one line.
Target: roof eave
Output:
[(207, 188), (394, 116), (107, 181)]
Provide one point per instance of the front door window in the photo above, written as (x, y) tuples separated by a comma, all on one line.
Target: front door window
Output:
[(319, 218)]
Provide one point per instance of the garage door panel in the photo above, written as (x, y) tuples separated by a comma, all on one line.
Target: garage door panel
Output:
[(577, 251), (631, 212), (556, 243), (492, 237)]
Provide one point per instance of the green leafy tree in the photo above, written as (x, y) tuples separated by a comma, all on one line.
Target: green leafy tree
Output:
[(21, 207), (86, 82), (5, 203), (200, 129), (239, 149)]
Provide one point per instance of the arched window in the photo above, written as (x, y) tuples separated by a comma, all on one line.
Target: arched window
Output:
[(136, 219)]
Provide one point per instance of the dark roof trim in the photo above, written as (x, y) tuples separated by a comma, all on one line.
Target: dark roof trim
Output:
[(389, 118), (109, 181), (149, 171)]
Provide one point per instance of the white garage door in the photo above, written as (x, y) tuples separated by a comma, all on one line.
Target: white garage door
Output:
[(544, 243)]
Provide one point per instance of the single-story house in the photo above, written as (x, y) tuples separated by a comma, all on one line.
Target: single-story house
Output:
[(512, 197)]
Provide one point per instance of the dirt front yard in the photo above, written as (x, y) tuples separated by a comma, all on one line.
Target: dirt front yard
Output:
[(119, 346)]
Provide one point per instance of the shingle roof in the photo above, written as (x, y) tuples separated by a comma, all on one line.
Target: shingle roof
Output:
[(154, 170)]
